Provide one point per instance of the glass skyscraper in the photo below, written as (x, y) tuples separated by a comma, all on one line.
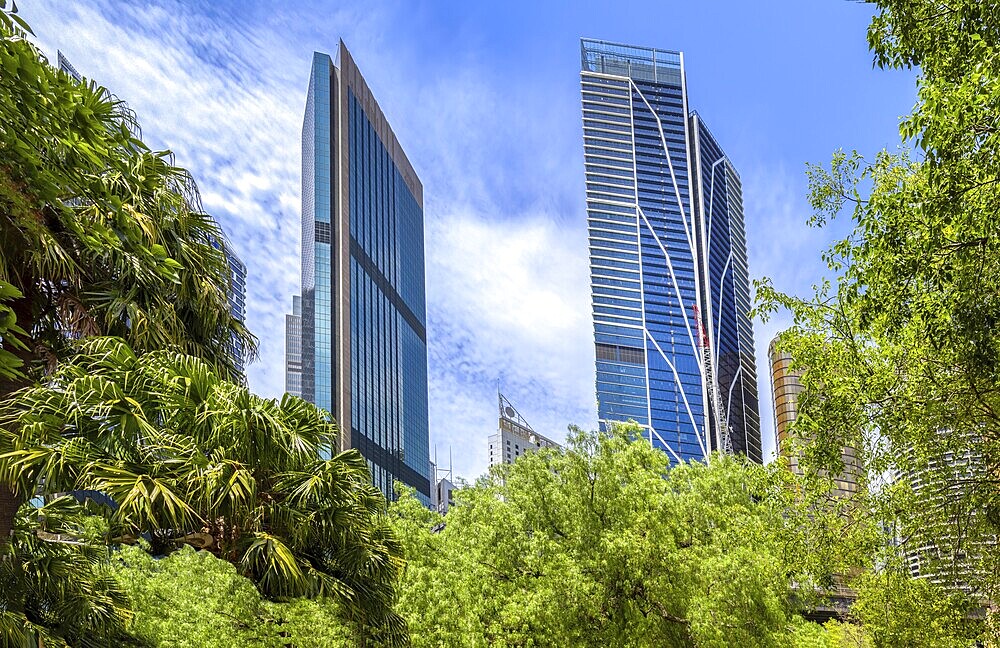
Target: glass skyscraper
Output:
[(363, 327), (237, 302), (668, 260)]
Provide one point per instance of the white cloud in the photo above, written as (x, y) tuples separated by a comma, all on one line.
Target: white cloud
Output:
[(510, 302)]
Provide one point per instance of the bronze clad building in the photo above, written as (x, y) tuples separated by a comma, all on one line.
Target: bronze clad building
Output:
[(786, 387)]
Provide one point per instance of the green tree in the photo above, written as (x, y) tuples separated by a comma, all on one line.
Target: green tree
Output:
[(188, 458), (831, 634), (901, 350), (896, 610), (99, 235), (56, 588), (191, 599), (604, 545)]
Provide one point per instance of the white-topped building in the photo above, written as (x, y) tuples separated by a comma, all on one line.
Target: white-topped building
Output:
[(514, 436)]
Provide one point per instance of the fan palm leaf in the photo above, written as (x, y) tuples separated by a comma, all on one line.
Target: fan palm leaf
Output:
[(184, 456)]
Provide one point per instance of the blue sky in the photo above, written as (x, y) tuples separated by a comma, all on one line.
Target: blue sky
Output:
[(484, 97)]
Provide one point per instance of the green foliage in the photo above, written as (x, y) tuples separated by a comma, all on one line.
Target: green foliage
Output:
[(188, 599), (896, 610), (189, 458), (602, 544), (10, 334), (900, 349), (829, 635), (191, 599), (101, 236), (56, 586)]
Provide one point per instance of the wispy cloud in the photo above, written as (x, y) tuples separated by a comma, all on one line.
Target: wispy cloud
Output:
[(511, 304)]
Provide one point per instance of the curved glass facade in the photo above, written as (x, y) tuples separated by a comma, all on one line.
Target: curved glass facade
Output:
[(646, 258)]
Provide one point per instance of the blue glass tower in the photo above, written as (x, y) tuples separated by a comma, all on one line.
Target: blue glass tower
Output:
[(663, 298), (364, 341)]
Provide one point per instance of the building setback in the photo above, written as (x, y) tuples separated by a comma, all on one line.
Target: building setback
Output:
[(669, 278), (364, 342), (293, 348)]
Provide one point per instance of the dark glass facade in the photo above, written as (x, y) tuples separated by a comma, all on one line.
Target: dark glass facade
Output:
[(237, 303), (364, 341), (719, 203), (647, 258)]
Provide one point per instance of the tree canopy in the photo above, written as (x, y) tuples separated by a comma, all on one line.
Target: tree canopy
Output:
[(602, 544), (191, 599), (172, 453), (900, 348)]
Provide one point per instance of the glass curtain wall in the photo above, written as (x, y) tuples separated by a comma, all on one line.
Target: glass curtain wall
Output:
[(643, 245)]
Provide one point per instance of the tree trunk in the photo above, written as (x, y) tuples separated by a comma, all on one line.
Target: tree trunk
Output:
[(9, 503), (23, 316)]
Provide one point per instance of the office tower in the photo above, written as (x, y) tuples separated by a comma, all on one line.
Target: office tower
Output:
[(364, 343), (943, 541), (237, 302), (514, 437), (785, 388), (293, 348), (668, 259)]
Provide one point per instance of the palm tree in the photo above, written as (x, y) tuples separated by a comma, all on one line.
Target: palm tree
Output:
[(186, 457), (99, 235), (57, 588)]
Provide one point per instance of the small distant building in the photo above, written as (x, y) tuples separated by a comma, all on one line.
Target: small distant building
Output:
[(514, 437), (445, 496), (442, 493), (67, 67)]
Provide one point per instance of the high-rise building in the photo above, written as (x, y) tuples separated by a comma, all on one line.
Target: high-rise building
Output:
[(786, 387), (944, 542), (514, 437), (668, 259), (63, 64), (237, 302), (364, 342), (293, 348)]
